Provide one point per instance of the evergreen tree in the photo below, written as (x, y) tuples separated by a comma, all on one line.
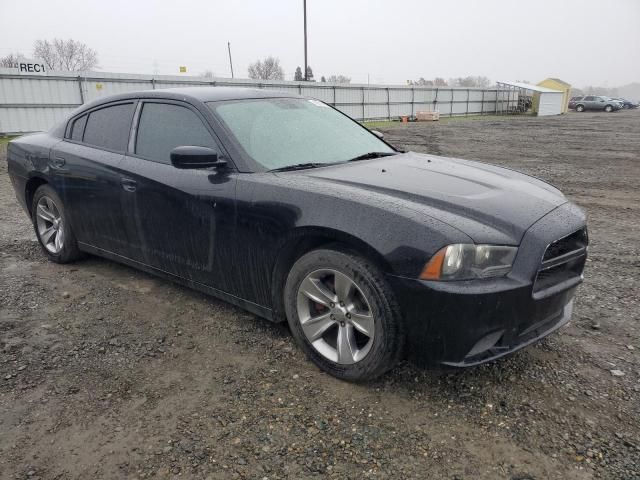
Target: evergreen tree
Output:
[(310, 74)]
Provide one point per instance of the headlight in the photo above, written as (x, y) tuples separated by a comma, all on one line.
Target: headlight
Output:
[(465, 262)]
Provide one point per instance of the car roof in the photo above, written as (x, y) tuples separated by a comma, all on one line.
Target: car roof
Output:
[(214, 94), (202, 94)]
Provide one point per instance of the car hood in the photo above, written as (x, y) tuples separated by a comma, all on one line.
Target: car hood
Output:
[(471, 196)]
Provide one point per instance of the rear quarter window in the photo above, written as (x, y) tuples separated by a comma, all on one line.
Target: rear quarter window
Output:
[(109, 127), (77, 129)]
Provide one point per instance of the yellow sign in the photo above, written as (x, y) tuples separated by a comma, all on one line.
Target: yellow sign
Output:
[(183, 69), (99, 86)]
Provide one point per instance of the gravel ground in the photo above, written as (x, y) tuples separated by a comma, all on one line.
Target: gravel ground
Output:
[(106, 372)]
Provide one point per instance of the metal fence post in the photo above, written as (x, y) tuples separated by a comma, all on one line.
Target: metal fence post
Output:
[(413, 101), (482, 104), (468, 94), (388, 104), (362, 103), (81, 90), (451, 104)]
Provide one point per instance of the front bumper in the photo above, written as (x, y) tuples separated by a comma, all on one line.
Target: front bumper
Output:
[(472, 322)]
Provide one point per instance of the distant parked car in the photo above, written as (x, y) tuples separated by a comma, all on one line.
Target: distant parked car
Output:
[(573, 101), (627, 103), (617, 100), (594, 102)]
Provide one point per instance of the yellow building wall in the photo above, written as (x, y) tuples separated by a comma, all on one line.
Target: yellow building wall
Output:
[(554, 84)]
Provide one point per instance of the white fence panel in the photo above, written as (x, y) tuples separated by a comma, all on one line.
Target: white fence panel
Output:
[(375, 112), (31, 119), (31, 103), (404, 95), (16, 90)]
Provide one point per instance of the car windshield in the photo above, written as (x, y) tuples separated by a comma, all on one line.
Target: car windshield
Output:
[(282, 132)]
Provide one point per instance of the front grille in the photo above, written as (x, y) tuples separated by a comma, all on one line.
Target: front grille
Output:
[(562, 263)]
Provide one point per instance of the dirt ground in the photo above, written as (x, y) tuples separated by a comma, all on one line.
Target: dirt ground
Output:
[(106, 372)]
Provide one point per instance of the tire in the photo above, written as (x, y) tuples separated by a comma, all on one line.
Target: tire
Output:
[(579, 108), (608, 109), (52, 226), (370, 306)]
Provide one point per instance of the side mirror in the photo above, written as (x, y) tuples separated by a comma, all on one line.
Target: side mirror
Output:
[(377, 133), (191, 157)]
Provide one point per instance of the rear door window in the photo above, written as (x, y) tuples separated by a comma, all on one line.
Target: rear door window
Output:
[(163, 127), (109, 127), (77, 130)]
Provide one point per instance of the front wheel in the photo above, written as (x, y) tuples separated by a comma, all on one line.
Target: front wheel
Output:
[(608, 109), (580, 108), (343, 314), (52, 226)]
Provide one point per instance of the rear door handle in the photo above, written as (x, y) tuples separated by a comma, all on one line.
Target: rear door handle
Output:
[(128, 184)]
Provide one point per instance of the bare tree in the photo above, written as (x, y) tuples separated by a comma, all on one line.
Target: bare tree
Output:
[(483, 82), (470, 81), (421, 82), (70, 55), (207, 74), (439, 82), (606, 91), (11, 60), (338, 79), (267, 69)]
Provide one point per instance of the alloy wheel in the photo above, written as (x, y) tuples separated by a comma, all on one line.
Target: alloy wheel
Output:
[(49, 224), (335, 316)]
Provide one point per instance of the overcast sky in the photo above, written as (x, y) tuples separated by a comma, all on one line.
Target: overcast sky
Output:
[(585, 42)]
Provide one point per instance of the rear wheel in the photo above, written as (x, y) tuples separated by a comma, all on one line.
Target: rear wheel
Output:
[(608, 109), (343, 314), (52, 226), (580, 108)]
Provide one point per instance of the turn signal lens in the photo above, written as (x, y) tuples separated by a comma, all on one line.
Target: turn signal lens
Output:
[(466, 261), (433, 268)]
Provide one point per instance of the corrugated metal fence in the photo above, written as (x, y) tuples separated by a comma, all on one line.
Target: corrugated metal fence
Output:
[(35, 102)]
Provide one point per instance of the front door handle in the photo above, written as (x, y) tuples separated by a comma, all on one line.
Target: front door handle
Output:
[(128, 184)]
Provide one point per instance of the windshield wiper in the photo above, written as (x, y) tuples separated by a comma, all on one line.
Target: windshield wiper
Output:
[(367, 156), (297, 166), (304, 166)]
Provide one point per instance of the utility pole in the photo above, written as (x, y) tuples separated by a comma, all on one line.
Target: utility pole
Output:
[(304, 4), (230, 62)]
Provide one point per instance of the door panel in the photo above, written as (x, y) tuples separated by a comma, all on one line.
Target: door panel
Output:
[(183, 219), (91, 194)]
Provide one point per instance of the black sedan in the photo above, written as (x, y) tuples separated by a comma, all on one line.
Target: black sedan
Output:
[(288, 208)]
